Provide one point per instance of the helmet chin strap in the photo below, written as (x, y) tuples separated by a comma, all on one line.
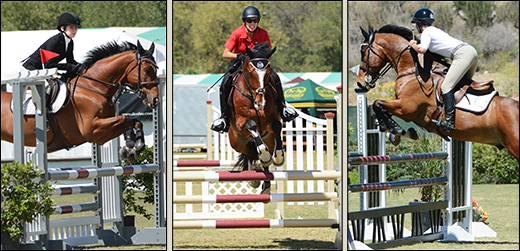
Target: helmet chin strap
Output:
[(63, 31)]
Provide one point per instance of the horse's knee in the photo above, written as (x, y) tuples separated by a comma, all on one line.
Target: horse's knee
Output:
[(250, 125)]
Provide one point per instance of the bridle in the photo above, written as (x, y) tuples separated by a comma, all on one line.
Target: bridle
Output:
[(368, 78), (260, 64), (147, 57)]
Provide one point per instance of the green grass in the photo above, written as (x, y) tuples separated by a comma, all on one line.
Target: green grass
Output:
[(499, 201)]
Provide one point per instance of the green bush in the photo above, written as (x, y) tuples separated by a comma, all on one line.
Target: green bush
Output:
[(476, 13), (418, 170), (25, 195), (140, 181), (493, 166)]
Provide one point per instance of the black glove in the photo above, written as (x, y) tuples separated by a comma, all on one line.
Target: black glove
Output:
[(241, 57)]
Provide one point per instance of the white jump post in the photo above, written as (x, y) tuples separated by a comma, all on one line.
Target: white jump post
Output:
[(36, 81)]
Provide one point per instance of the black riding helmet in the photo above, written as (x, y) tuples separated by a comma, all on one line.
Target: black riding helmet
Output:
[(68, 18), (423, 16), (250, 11)]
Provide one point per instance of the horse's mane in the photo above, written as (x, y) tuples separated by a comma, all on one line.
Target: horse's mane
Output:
[(398, 30), (104, 51)]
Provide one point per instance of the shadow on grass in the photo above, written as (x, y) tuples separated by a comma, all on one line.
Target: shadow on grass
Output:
[(305, 244), (286, 243)]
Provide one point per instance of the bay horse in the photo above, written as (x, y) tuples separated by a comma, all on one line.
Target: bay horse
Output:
[(256, 127), (88, 115), (415, 100)]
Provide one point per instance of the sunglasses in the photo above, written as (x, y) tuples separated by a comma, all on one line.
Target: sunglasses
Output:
[(251, 20)]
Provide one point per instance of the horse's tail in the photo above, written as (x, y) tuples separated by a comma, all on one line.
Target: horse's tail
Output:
[(242, 163), (244, 160)]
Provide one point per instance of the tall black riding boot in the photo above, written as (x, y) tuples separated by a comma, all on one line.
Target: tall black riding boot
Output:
[(222, 124), (448, 124), (287, 113)]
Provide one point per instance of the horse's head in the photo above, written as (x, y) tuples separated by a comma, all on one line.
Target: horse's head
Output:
[(143, 75), (257, 71), (372, 60)]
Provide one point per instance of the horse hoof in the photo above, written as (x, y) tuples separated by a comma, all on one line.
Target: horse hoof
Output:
[(412, 133), (123, 153), (266, 163), (254, 183), (394, 139), (278, 158), (266, 187), (279, 163)]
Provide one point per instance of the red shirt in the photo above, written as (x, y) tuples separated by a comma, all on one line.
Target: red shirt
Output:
[(238, 40)]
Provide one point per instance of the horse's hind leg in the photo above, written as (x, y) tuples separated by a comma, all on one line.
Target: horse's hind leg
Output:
[(278, 155), (261, 147)]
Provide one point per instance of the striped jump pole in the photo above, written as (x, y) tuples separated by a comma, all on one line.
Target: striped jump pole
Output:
[(369, 187), (354, 154), (77, 208), (262, 223), (385, 159), (75, 190), (203, 163), (102, 172), (255, 175), (240, 198)]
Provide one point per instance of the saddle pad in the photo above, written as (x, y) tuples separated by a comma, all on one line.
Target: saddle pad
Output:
[(30, 108), (473, 103)]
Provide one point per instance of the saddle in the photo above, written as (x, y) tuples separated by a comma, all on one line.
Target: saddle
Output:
[(465, 86), (469, 94), (57, 96)]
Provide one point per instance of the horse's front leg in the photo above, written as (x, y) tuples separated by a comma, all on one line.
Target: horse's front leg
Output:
[(261, 147), (104, 129), (278, 155), (384, 110), (387, 108), (134, 142)]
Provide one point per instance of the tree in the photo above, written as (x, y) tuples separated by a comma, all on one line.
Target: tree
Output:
[(307, 35), (43, 15)]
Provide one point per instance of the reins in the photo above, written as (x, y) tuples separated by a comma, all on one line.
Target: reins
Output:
[(386, 68), (259, 91), (121, 87)]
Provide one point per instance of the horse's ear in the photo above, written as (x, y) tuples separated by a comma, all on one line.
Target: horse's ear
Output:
[(140, 48), (152, 48), (271, 52), (249, 52), (365, 34), (370, 30)]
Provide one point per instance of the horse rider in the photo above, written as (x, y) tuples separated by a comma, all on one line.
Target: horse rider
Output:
[(248, 35), (61, 44), (464, 58)]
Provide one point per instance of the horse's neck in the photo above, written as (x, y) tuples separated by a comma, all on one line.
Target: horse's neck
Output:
[(112, 70), (402, 63)]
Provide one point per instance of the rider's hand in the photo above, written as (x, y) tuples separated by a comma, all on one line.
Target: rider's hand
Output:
[(241, 57), (412, 42)]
